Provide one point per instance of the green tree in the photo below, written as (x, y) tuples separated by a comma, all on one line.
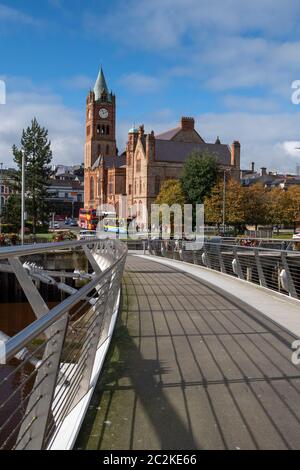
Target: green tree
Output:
[(36, 149), (200, 173), (12, 213)]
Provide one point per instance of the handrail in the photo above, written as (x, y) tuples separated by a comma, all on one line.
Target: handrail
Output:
[(63, 341), (269, 267)]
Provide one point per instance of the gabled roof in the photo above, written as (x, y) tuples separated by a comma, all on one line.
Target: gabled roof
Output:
[(168, 135), (116, 161), (178, 152)]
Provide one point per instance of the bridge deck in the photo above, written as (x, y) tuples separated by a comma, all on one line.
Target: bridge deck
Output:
[(190, 368)]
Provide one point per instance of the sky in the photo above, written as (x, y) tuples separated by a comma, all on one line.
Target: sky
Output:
[(228, 63)]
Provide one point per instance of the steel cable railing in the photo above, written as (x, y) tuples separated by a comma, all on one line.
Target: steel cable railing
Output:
[(268, 266), (39, 388)]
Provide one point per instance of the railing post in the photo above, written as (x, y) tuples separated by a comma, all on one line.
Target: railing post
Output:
[(291, 285), (260, 271), (33, 429), (238, 264), (207, 258), (221, 261)]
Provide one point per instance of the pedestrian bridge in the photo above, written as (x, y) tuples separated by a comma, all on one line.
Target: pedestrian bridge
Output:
[(201, 356)]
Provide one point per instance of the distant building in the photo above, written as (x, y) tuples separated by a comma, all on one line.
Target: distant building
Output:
[(269, 179), (66, 190), (7, 185)]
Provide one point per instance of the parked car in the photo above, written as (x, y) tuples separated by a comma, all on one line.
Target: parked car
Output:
[(73, 223), (54, 225)]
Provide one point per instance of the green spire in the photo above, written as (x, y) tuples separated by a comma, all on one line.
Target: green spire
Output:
[(100, 86)]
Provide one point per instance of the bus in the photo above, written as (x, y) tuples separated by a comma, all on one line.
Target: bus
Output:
[(116, 225), (88, 219)]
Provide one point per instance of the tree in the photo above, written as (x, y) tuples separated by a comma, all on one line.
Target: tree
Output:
[(234, 204), (277, 207), (36, 149), (200, 173), (170, 193), (292, 205), (257, 210)]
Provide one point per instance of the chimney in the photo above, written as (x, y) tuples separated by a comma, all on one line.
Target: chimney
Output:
[(263, 171), (252, 166), (141, 130), (187, 123), (235, 154), (150, 146)]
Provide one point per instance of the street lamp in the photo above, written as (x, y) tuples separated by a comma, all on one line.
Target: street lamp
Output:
[(23, 198), (224, 199)]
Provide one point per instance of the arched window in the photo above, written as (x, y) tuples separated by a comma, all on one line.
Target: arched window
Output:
[(107, 150), (92, 189), (98, 129), (107, 130), (140, 185), (99, 188), (103, 130)]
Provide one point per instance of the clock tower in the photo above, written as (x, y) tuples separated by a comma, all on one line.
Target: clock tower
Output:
[(100, 122)]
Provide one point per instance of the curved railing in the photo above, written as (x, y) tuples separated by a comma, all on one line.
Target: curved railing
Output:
[(268, 266), (49, 368)]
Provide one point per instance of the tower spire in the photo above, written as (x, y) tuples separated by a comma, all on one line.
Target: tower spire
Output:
[(100, 85)]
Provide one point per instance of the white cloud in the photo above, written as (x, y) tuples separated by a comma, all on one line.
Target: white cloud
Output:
[(237, 102), (140, 83), (262, 136), (225, 45), (12, 15), (65, 125)]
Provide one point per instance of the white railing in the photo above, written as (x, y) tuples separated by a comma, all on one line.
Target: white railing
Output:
[(47, 368), (264, 264)]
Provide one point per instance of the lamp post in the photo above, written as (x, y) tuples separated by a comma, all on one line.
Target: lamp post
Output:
[(224, 201), (1, 165), (23, 198)]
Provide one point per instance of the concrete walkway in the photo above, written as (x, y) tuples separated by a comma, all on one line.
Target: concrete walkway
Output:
[(190, 368)]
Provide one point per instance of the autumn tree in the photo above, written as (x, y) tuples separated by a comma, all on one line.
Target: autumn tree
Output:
[(170, 193), (256, 205), (292, 205), (234, 204)]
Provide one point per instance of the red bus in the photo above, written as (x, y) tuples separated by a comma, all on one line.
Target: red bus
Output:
[(88, 219)]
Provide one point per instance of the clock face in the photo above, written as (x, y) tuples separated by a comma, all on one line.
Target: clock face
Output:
[(103, 113)]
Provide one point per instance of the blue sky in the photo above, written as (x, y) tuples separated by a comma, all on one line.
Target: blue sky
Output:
[(229, 63)]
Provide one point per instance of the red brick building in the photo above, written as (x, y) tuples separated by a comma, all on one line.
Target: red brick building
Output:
[(149, 160)]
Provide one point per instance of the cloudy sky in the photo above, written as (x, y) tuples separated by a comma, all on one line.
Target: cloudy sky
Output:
[(228, 63)]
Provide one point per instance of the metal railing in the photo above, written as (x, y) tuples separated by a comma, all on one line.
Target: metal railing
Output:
[(268, 266), (48, 366)]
